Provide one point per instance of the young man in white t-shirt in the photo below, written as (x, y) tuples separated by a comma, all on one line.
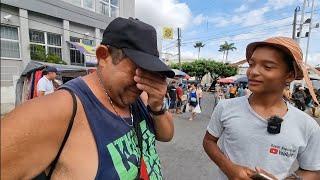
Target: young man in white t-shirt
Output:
[(45, 85), (245, 138)]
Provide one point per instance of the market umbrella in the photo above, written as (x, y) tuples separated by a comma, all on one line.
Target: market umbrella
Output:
[(226, 80)]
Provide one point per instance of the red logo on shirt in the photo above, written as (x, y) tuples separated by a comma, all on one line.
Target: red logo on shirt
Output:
[(274, 150)]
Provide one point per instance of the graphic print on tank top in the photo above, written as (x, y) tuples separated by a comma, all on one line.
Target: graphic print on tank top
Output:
[(117, 143)]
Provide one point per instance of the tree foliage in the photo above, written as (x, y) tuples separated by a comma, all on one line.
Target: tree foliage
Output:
[(225, 48), (200, 68)]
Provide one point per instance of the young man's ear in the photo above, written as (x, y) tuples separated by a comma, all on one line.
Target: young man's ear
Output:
[(290, 77), (102, 53)]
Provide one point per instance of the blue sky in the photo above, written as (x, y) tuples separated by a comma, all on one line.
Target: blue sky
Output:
[(216, 21)]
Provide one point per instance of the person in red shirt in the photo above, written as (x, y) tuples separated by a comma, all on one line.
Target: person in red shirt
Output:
[(179, 100)]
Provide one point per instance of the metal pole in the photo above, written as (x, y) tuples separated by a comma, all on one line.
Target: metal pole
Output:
[(310, 27), (295, 22), (301, 21), (179, 44)]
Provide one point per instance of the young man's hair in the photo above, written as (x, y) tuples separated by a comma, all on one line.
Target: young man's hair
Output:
[(288, 59)]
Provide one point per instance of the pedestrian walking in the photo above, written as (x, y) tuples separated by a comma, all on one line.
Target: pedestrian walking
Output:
[(172, 90), (263, 134), (199, 94), (179, 92), (193, 101), (100, 126)]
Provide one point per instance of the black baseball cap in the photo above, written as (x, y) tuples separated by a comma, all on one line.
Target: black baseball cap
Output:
[(138, 41), (51, 69)]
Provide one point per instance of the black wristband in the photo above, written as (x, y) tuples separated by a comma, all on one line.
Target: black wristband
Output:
[(157, 113)]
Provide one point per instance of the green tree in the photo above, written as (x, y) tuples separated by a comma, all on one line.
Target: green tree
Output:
[(200, 68), (225, 48), (198, 45)]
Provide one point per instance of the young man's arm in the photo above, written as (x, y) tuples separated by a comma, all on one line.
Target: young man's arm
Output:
[(310, 175), (231, 170), (32, 133)]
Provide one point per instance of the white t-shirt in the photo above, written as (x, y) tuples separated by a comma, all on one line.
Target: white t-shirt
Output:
[(45, 85), (244, 139)]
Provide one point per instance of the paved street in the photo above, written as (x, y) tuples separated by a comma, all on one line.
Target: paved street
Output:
[(184, 157)]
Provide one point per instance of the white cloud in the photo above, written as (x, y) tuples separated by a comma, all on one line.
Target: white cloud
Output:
[(161, 13), (245, 19), (242, 8), (279, 4), (199, 19)]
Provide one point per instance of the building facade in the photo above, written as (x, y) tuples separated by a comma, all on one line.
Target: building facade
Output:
[(34, 29)]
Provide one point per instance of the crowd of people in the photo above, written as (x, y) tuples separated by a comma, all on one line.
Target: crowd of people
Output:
[(180, 99)]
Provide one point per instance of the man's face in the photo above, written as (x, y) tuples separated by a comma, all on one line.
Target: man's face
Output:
[(122, 82), (52, 75), (267, 72)]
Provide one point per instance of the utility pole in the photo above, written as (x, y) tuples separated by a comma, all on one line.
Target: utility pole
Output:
[(301, 21), (295, 22), (179, 45), (310, 27)]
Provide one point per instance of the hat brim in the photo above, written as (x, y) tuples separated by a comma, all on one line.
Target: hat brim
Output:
[(297, 67), (148, 62)]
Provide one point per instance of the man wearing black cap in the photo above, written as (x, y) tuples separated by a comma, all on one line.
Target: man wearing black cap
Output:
[(118, 113), (45, 84)]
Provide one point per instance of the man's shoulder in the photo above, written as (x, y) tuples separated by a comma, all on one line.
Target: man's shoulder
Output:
[(302, 118), (238, 102)]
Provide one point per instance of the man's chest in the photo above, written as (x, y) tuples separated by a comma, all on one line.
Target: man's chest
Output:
[(248, 135)]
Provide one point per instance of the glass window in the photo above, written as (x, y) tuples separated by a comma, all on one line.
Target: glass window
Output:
[(36, 36), (54, 51), (10, 47), (76, 57), (114, 2), (88, 4), (37, 52), (114, 11), (54, 39), (8, 32), (75, 2), (104, 7), (88, 42)]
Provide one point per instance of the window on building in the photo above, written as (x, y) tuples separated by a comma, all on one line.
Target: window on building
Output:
[(76, 57), (109, 8), (10, 45), (44, 43), (89, 4)]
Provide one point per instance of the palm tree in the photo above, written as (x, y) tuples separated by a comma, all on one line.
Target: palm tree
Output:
[(222, 49), (225, 48), (198, 45)]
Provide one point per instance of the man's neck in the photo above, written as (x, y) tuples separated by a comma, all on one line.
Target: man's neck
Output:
[(46, 76), (266, 100)]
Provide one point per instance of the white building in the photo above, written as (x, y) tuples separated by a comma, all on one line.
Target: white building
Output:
[(32, 27)]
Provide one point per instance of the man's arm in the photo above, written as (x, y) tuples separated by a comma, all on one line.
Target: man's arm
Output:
[(231, 170), (305, 174), (32, 133)]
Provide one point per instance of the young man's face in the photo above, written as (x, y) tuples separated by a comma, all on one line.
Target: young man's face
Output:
[(268, 71)]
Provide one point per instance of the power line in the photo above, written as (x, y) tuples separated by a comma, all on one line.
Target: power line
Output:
[(242, 28)]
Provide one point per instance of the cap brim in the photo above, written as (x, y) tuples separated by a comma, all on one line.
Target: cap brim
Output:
[(297, 67), (148, 62)]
